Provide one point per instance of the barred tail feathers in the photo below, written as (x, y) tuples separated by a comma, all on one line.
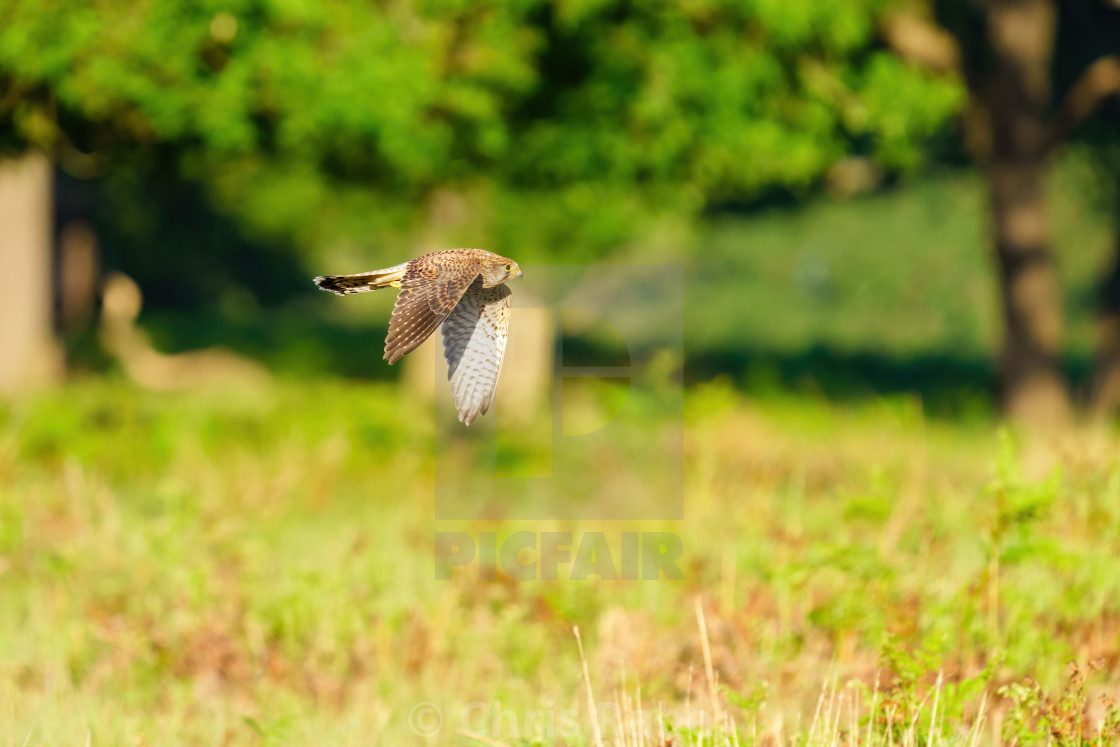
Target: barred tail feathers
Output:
[(362, 282)]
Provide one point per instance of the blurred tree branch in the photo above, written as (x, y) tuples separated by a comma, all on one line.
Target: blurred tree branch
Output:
[(1100, 81), (920, 40)]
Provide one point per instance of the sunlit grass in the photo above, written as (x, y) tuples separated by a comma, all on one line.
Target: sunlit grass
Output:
[(903, 272), (248, 567)]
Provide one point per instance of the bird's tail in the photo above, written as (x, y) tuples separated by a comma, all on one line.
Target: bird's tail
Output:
[(363, 281)]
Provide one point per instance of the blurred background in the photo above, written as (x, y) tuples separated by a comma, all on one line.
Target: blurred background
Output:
[(897, 223), (868, 196)]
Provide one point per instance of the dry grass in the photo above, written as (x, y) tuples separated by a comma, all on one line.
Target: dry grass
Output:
[(203, 569)]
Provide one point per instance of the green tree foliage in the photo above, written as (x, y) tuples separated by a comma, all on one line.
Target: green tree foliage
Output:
[(326, 120)]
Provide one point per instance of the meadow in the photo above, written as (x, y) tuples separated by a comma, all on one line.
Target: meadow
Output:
[(231, 566), (228, 522)]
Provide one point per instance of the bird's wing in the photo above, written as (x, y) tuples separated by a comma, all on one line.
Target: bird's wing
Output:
[(430, 289), (474, 344)]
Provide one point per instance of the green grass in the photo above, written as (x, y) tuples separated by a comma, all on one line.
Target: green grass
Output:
[(903, 272), (232, 567)]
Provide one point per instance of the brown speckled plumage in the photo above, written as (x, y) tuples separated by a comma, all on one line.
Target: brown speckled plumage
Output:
[(464, 290)]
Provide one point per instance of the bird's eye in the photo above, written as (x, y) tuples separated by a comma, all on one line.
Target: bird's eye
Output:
[(509, 267)]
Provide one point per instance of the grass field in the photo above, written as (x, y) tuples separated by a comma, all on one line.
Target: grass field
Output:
[(256, 567)]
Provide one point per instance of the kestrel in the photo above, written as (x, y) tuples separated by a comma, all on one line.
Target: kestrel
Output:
[(463, 289)]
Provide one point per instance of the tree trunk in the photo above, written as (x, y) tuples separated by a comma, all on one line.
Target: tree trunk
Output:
[(1034, 388), (1014, 94), (28, 354)]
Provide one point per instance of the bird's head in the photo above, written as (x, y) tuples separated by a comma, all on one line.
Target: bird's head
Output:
[(498, 270)]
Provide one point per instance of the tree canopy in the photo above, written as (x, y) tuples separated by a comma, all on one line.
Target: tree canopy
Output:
[(324, 120)]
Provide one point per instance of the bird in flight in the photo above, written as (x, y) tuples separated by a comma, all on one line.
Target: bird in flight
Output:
[(465, 291)]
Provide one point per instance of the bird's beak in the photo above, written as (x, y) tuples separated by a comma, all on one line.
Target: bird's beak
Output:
[(517, 270)]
